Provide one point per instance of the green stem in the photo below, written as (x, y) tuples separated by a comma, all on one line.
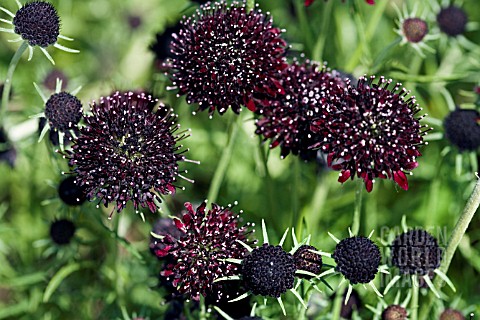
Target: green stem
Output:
[(8, 81), (317, 54), (457, 234), (357, 207), (295, 193), (414, 302), (337, 303), (367, 33), (224, 161), (268, 181), (250, 5), (304, 26), (203, 311)]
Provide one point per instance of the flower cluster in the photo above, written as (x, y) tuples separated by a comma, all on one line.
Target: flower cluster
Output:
[(127, 151), (207, 239)]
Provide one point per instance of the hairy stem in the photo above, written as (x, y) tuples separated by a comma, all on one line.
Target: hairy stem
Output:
[(357, 208), (414, 302), (457, 235), (224, 161)]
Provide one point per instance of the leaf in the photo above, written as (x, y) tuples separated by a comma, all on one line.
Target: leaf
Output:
[(59, 277)]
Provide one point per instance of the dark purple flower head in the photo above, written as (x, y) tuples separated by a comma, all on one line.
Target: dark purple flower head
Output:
[(414, 29), (416, 252), (70, 192), (394, 312), (357, 258), (38, 23), (307, 260), (286, 119), (63, 111), (452, 20), (451, 314), (462, 129), (62, 231), (207, 239), (268, 271), (227, 57), (371, 131), (127, 151)]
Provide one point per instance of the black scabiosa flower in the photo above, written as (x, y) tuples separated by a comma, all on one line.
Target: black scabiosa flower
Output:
[(416, 252), (63, 111), (50, 80), (357, 258), (394, 312), (307, 260), (62, 231), (207, 239), (462, 129), (70, 192), (227, 57), (451, 314), (287, 118), (371, 131), (127, 151), (268, 271), (38, 24), (452, 20)]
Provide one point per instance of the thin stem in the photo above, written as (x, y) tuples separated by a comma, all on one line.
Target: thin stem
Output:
[(414, 302), (295, 192), (250, 5), (8, 81), (457, 235), (358, 207), (337, 303), (224, 161), (203, 311), (322, 37), (268, 181), (304, 26)]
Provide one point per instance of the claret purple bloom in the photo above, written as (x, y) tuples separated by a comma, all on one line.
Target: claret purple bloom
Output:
[(371, 131), (287, 118), (207, 238), (226, 56), (127, 151)]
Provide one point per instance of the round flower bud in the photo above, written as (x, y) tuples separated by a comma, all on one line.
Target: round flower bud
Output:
[(38, 23), (70, 192), (357, 259), (414, 29), (62, 231), (394, 312), (452, 20), (451, 314), (462, 129), (416, 252), (268, 271), (307, 261), (63, 111)]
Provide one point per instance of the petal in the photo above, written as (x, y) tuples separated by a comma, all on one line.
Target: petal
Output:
[(251, 105), (400, 178), (308, 2), (368, 184), (344, 175), (370, 2), (179, 223)]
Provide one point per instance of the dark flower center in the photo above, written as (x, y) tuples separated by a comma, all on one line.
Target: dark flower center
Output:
[(62, 231), (462, 129), (63, 111)]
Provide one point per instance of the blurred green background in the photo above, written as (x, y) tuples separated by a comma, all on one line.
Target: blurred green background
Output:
[(107, 271)]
